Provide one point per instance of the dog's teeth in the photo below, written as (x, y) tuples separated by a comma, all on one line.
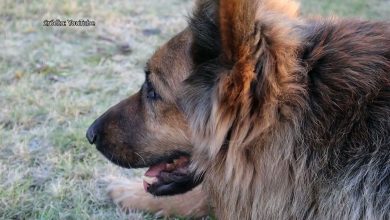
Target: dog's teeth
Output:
[(170, 166), (150, 180)]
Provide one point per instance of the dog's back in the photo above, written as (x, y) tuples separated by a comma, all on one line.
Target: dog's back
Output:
[(347, 130)]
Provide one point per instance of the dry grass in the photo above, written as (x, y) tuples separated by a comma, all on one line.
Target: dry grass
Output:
[(54, 81)]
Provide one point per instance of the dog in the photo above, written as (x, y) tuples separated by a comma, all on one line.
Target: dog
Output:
[(275, 116)]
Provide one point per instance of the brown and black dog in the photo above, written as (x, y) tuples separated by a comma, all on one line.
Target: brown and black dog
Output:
[(277, 116)]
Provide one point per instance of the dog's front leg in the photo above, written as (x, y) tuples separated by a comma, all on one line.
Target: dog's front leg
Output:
[(130, 195)]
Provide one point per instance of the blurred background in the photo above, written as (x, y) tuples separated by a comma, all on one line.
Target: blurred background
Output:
[(54, 81)]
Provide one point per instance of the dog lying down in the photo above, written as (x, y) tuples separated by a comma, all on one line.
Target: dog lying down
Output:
[(253, 112)]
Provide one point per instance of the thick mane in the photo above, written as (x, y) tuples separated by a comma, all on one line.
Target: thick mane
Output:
[(246, 61), (289, 119)]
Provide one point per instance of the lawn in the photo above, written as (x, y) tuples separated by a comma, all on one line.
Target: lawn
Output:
[(54, 81)]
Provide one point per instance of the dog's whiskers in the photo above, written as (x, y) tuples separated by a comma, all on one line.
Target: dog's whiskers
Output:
[(140, 157)]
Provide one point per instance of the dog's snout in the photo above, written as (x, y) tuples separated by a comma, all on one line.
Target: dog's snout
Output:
[(91, 134)]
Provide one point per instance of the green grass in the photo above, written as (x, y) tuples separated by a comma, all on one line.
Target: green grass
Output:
[(54, 81), (367, 9)]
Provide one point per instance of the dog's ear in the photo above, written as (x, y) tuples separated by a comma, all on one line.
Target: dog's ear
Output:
[(257, 49), (204, 28), (236, 25), (238, 35), (246, 47)]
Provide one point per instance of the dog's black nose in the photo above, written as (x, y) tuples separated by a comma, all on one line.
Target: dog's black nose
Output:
[(91, 134)]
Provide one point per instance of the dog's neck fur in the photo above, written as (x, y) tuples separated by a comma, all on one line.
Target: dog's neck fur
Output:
[(240, 150)]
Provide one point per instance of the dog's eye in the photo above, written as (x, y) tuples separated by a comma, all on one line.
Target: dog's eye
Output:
[(150, 92)]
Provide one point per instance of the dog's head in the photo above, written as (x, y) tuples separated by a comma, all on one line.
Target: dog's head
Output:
[(150, 129)]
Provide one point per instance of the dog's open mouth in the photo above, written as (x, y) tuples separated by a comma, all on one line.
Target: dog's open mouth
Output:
[(165, 175)]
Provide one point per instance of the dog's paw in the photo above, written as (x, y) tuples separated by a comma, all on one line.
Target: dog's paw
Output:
[(130, 195)]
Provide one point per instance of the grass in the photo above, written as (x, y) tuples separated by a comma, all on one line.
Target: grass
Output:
[(55, 80)]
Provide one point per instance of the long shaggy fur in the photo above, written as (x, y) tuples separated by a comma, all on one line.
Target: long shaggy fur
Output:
[(290, 118)]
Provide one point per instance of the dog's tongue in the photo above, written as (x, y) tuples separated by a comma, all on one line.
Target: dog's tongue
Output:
[(151, 174), (153, 171)]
